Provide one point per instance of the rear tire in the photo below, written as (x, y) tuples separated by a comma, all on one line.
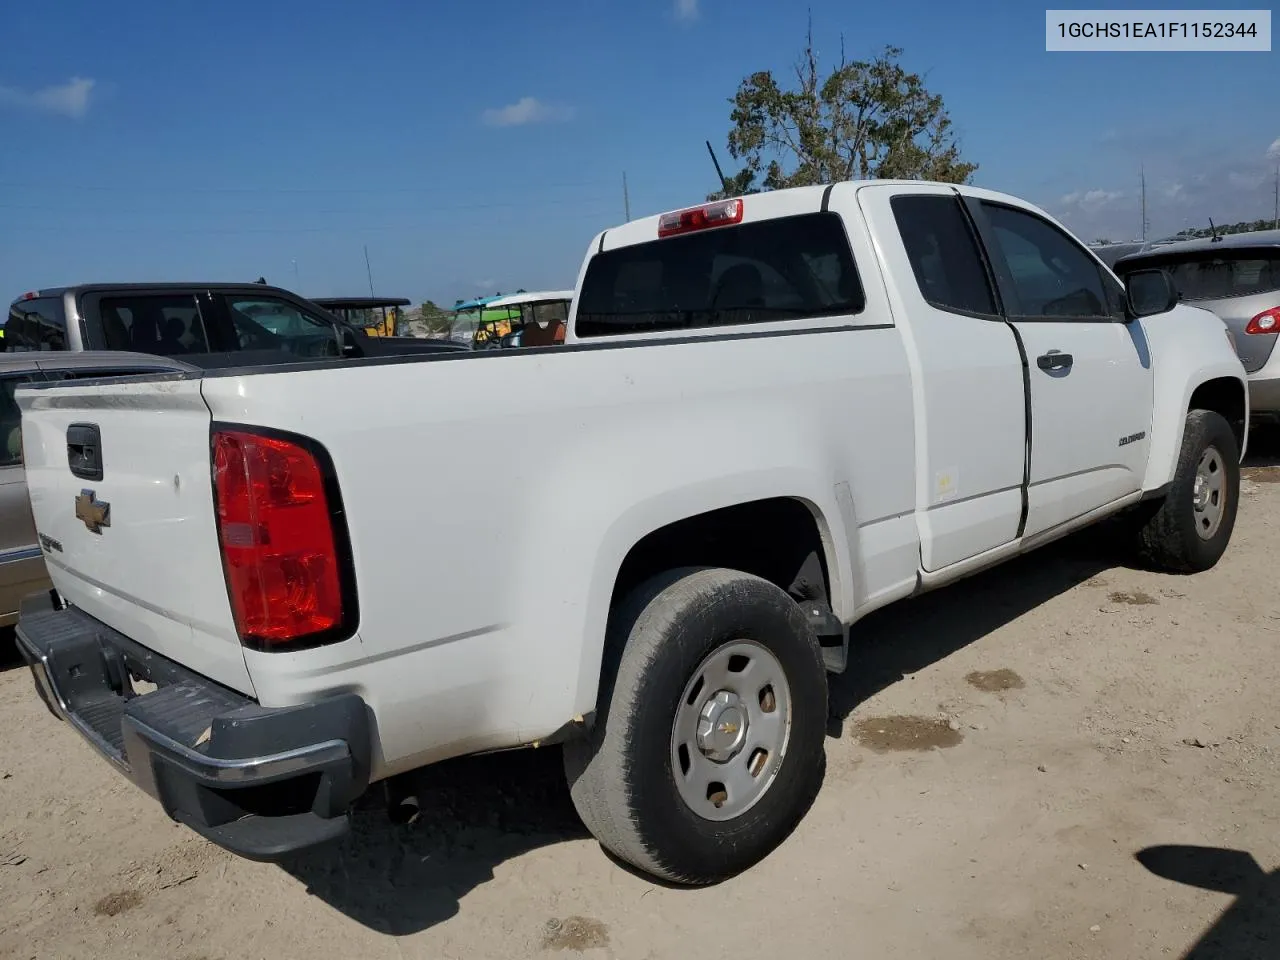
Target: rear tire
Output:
[(1190, 530), (708, 748)]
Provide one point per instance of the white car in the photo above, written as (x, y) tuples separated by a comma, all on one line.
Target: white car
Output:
[(770, 416)]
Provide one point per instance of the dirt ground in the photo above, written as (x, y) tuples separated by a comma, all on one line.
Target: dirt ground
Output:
[(1063, 758)]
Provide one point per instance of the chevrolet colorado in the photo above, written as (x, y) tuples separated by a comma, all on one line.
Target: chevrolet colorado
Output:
[(770, 416)]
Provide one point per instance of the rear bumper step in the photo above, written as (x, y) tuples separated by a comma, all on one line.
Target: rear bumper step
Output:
[(261, 782)]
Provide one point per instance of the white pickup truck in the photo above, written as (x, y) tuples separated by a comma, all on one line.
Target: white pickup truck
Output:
[(769, 416)]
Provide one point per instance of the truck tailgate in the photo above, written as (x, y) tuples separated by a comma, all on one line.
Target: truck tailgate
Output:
[(134, 545)]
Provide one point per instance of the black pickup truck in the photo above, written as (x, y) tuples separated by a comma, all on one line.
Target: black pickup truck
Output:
[(206, 324)]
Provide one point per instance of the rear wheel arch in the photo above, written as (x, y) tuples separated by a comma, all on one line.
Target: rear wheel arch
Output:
[(786, 540)]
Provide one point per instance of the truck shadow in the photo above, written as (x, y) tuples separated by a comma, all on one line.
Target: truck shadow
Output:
[(891, 644), (1252, 920), (476, 813)]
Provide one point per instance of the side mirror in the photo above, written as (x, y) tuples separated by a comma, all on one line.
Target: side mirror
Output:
[(349, 344), (1148, 292)]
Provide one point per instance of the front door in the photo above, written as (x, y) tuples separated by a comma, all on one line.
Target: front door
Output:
[(1090, 372)]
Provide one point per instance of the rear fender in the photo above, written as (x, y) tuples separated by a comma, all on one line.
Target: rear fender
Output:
[(578, 616)]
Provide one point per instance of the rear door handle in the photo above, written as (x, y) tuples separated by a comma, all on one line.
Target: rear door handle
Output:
[(1054, 360)]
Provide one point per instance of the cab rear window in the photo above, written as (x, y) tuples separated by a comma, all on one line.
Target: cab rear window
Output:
[(790, 268), (1216, 275)]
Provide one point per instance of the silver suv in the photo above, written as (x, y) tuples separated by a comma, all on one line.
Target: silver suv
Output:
[(1237, 276)]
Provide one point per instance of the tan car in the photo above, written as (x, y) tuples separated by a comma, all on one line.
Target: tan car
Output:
[(22, 569)]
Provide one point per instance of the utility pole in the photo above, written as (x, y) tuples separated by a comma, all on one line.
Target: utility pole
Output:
[(1142, 175), (367, 269), (626, 199)]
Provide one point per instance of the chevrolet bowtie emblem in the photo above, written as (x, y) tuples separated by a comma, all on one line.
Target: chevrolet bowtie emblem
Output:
[(95, 514)]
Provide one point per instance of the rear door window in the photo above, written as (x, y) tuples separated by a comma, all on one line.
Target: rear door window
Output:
[(789, 268), (36, 324), (165, 324), (944, 254)]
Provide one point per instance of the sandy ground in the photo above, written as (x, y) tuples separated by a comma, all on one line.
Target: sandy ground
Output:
[(1063, 758)]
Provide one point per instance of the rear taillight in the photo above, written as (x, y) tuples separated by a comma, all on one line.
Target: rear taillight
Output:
[(1268, 321), (280, 541)]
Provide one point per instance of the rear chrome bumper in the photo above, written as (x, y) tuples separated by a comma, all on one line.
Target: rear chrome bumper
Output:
[(261, 782)]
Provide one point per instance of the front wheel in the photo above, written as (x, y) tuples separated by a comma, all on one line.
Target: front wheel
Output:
[(1190, 530), (709, 746)]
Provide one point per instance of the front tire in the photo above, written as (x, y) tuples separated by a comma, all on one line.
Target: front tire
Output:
[(708, 749), (1190, 530)]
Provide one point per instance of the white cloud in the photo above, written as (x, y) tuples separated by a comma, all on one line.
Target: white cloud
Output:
[(687, 10), (1090, 200), (70, 99), (1273, 151), (1246, 181), (484, 284), (526, 110)]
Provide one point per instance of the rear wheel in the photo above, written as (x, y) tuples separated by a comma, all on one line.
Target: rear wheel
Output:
[(1192, 526), (709, 747)]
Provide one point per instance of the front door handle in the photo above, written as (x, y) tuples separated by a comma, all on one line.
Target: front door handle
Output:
[(1053, 360)]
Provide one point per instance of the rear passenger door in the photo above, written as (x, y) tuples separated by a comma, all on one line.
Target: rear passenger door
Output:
[(970, 400), (1090, 372)]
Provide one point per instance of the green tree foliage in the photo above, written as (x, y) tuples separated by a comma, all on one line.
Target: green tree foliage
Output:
[(1245, 226), (866, 119), (434, 317)]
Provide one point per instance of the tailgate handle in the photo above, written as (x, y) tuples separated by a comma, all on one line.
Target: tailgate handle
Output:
[(84, 450)]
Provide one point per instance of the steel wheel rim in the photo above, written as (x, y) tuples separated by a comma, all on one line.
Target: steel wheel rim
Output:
[(731, 730), (1209, 494)]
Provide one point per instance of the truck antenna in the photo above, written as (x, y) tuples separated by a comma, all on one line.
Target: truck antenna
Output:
[(1142, 176), (1214, 230), (368, 270), (724, 184), (1275, 223)]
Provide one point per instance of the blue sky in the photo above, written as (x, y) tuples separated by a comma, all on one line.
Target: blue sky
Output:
[(476, 147)]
